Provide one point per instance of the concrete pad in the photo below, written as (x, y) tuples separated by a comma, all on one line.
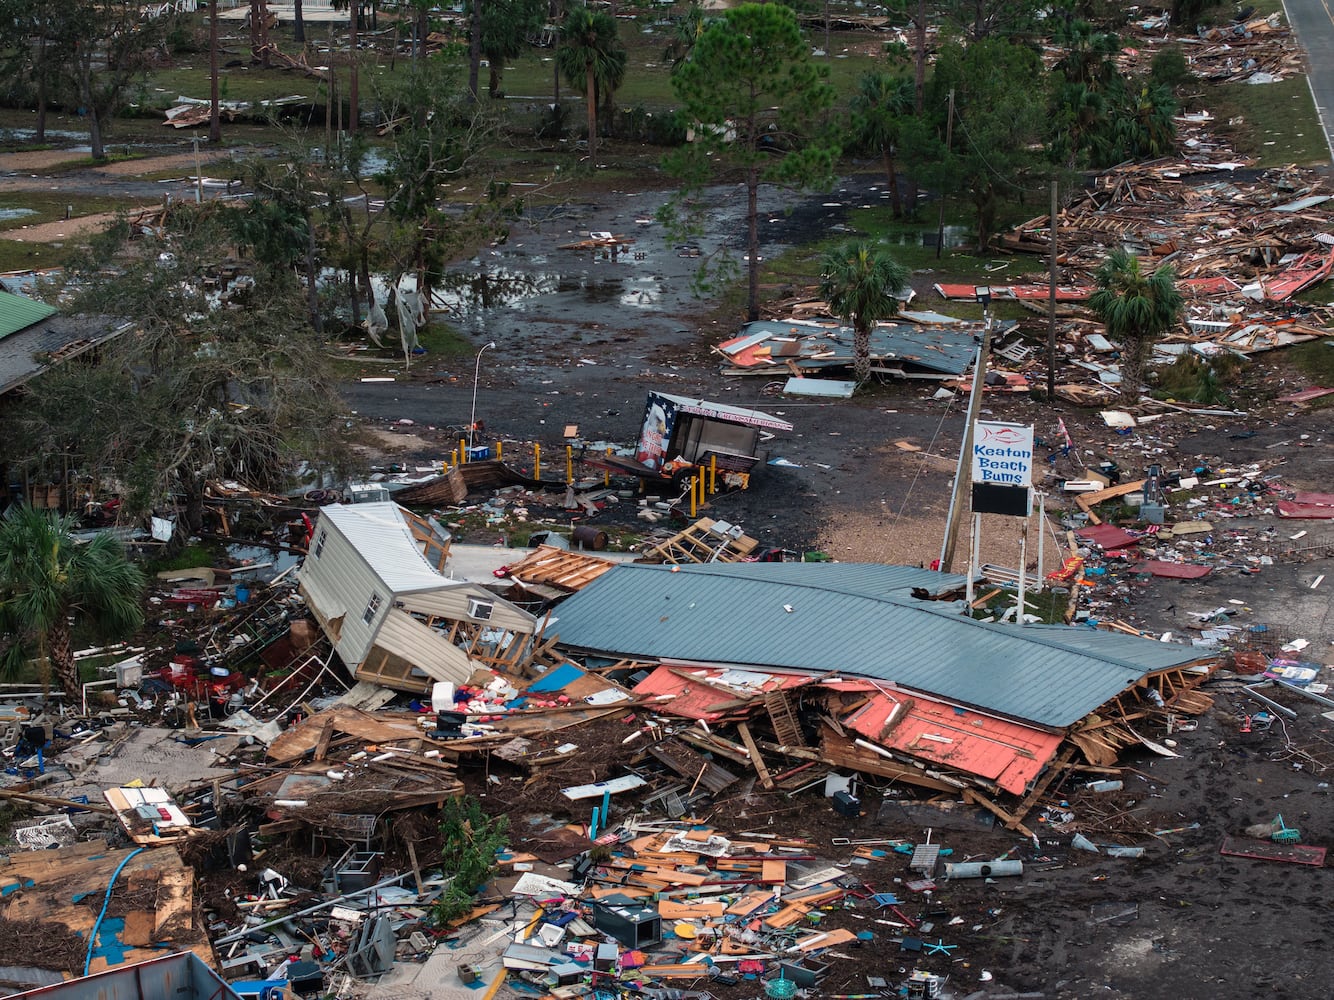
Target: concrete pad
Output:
[(480, 946)]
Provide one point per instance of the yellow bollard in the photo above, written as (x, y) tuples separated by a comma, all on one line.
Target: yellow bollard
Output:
[(692, 498), (537, 461), (500, 450), (702, 484), (569, 463), (463, 451), (606, 473), (713, 473)]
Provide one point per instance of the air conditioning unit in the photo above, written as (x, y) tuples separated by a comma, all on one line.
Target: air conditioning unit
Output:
[(480, 609)]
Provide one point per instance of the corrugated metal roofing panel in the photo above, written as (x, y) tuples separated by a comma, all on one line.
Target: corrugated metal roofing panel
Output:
[(695, 690), (832, 388), (379, 533), (18, 313), (1008, 753), (947, 350), (866, 579), (1050, 675)]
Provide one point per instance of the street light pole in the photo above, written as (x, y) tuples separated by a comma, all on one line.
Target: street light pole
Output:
[(476, 373)]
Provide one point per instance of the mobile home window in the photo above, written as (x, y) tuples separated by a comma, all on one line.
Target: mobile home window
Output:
[(479, 609), (319, 544), (372, 606)]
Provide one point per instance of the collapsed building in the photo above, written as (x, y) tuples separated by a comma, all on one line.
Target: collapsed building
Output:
[(865, 667)]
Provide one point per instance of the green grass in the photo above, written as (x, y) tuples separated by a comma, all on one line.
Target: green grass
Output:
[(46, 207), (1047, 605), (1315, 360), (905, 243), (1279, 124), (443, 341), (15, 256), (190, 557), (49, 207), (648, 79)]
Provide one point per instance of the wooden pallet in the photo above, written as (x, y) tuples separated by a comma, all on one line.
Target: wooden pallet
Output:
[(699, 544)]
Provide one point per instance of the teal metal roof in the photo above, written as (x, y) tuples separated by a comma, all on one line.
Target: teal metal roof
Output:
[(18, 313), (866, 579), (844, 617)]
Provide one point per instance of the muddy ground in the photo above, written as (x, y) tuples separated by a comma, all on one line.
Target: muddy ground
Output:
[(581, 338), (1184, 921)]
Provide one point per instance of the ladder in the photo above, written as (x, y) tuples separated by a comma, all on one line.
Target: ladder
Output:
[(786, 727)]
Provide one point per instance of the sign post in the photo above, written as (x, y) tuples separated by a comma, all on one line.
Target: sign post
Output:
[(1002, 474)]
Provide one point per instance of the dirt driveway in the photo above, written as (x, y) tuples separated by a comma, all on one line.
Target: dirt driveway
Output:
[(30, 171)]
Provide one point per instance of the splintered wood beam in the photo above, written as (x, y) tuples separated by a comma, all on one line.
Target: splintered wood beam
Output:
[(1057, 767), (326, 735), (416, 868), (755, 759), (47, 800), (982, 601), (1011, 821)]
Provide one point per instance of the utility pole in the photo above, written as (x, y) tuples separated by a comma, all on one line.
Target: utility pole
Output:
[(963, 471), (354, 45), (214, 105), (949, 145), (1051, 302)]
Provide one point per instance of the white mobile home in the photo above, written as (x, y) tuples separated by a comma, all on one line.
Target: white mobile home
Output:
[(373, 581)]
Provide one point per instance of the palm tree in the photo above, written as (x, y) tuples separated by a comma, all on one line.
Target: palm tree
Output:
[(685, 32), (590, 54), (1146, 121), (860, 282), (878, 108), (1136, 308), (49, 581)]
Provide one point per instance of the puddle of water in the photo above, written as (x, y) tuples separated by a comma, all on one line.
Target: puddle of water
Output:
[(258, 555), (955, 236), (642, 293), (9, 214), (468, 294), (22, 135)]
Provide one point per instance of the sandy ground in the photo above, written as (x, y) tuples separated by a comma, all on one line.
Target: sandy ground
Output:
[(13, 167)]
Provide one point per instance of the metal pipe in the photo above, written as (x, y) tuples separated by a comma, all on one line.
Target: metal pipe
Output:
[(1303, 692), (237, 935), (1270, 702), (983, 869)]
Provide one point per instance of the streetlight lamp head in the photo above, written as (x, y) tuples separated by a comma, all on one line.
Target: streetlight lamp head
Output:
[(489, 344), (983, 294)]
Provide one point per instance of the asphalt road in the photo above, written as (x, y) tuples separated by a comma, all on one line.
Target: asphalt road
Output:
[(1313, 20)]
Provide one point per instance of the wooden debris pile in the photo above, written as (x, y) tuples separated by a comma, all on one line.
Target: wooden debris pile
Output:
[(1225, 53), (1262, 240)]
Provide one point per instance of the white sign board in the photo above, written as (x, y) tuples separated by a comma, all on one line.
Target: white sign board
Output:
[(1003, 453)]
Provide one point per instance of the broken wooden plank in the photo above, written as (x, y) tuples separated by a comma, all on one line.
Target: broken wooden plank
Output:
[(1011, 822), (756, 760), (1086, 501)]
